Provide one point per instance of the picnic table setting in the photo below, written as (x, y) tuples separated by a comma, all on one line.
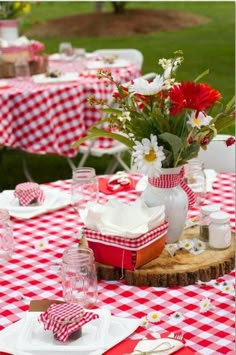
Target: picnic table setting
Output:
[(137, 262)]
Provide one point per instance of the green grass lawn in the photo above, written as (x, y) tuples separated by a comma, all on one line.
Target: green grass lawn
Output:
[(205, 46)]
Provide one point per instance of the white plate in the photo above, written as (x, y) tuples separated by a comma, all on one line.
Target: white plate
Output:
[(12, 340), (66, 77), (54, 199), (118, 63), (33, 336), (11, 203)]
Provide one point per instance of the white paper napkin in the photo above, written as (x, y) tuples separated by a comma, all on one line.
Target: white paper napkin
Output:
[(54, 200), (122, 219)]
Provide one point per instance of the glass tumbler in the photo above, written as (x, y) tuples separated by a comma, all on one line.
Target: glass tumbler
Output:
[(196, 179), (22, 69), (66, 50), (84, 188), (79, 277), (6, 236)]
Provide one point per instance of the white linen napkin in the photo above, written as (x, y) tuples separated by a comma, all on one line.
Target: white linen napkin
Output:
[(122, 219), (167, 345)]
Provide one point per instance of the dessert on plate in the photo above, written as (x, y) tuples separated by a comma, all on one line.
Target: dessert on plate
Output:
[(29, 194), (66, 320)]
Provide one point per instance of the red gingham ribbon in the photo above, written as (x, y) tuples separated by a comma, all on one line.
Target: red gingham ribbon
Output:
[(64, 319), (129, 244), (29, 191), (172, 180)]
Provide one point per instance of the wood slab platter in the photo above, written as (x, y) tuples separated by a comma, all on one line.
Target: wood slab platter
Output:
[(180, 270)]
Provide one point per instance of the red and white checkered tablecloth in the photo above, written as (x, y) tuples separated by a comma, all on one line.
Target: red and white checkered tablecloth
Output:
[(48, 118), (33, 273)]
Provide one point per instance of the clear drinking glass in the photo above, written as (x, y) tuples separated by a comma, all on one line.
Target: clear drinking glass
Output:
[(6, 236), (84, 188), (79, 277), (66, 50), (22, 69), (196, 179)]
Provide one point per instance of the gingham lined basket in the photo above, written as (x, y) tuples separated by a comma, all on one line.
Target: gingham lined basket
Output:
[(130, 244)]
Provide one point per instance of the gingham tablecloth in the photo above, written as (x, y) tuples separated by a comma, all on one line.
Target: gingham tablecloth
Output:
[(48, 118), (33, 273)]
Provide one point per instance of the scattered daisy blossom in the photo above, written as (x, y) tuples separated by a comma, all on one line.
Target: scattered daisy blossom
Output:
[(154, 317), (171, 248), (164, 121), (144, 322), (186, 244), (205, 305), (41, 244), (176, 318)]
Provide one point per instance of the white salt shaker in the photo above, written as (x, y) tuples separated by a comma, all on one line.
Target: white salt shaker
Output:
[(219, 230)]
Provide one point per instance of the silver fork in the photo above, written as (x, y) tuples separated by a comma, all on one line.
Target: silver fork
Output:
[(177, 336)]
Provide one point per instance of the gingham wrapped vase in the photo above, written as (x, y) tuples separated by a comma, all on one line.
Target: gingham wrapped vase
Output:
[(169, 189)]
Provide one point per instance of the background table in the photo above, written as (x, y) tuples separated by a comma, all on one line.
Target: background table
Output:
[(33, 273), (48, 118)]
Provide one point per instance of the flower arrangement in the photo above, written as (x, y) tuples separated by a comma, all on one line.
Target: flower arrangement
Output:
[(164, 122), (13, 10)]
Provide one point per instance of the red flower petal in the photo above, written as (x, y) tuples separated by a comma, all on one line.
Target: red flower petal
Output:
[(193, 96)]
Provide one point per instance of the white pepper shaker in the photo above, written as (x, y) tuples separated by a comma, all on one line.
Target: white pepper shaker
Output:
[(219, 230), (206, 210)]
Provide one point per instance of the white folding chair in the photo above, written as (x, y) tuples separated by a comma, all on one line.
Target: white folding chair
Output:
[(116, 150), (131, 54), (218, 156)]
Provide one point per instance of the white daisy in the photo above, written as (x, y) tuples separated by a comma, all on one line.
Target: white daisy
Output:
[(144, 87), (205, 305), (171, 248), (41, 244), (148, 156), (227, 288), (176, 318), (199, 120), (198, 247), (154, 317), (186, 244)]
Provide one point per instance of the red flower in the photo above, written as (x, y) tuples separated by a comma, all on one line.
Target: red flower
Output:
[(230, 141), (194, 96)]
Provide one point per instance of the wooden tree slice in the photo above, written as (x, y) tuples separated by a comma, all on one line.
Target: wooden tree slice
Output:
[(180, 270)]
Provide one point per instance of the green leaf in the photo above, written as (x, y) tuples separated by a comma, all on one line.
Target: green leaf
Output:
[(190, 152), (97, 132), (201, 75), (111, 110), (173, 142)]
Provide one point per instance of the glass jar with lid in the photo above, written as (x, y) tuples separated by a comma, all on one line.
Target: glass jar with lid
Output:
[(6, 236), (205, 211), (219, 230)]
